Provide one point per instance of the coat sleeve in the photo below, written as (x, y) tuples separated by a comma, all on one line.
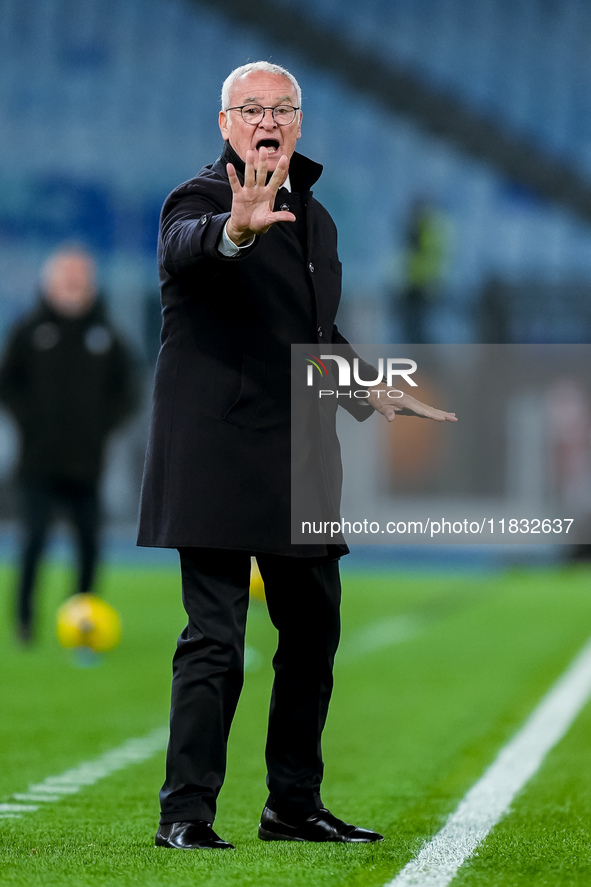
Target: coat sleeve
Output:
[(191, 226), (360, 409)]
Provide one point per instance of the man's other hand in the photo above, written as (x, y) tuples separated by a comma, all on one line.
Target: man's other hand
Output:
[(406, 405)]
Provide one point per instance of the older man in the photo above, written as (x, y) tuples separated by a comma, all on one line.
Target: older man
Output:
[(246, 270)]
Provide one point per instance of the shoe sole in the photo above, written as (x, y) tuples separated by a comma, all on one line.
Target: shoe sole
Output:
[(167, 846), (265, 835)]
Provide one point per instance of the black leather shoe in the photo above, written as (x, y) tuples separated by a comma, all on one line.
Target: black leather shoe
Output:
[(320, 826), (196, 835)]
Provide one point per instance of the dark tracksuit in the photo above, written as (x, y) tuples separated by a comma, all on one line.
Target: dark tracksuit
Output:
[(68, 382)]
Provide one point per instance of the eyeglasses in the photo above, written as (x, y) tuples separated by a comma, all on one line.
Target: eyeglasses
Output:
[(253, 114)]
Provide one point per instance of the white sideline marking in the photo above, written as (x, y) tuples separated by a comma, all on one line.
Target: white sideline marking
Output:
[(54, 788), (29, 796), (489, 799), (13, 810), (378, 635), (252, 659)]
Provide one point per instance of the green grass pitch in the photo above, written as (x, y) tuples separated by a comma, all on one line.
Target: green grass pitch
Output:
[(436, 672)]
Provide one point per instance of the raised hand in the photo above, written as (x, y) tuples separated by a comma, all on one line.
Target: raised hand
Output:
[(407, 405), (252, 203)]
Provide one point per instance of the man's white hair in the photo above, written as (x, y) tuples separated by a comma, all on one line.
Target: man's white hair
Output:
[(251, 67)]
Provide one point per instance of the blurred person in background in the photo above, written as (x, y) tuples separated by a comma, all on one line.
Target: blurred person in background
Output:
[(426, 252), (68, 381), (493, 315)]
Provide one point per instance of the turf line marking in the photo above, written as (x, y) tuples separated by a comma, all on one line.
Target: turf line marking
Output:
[(13, 811), (252, 658), (54, 788), (490, 798), (379, 635), (29, 796)]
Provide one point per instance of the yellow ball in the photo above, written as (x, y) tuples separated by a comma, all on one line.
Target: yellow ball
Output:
[(257, 586), (85, 620)]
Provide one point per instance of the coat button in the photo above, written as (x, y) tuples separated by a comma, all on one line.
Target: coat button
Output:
[(320, 332), (311, 267), (203, 220)]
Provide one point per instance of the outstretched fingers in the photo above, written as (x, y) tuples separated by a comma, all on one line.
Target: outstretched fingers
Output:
[(253, 202), (406, 405), (410, 406), (249, 170), (233, 178), (282, 216), (261, 173), (280, 174)]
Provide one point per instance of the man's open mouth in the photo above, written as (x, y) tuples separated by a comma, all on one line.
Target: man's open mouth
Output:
[(272, 145)]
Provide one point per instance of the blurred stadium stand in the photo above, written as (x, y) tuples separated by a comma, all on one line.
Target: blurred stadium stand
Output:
[(481, 106)]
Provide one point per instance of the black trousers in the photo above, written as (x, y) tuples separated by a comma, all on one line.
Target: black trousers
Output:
[(42, 500), (303, 598)]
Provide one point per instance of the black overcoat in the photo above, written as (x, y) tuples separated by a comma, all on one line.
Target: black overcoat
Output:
[(217, 471)]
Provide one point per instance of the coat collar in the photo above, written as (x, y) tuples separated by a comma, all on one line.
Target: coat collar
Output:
[(303, 172)]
